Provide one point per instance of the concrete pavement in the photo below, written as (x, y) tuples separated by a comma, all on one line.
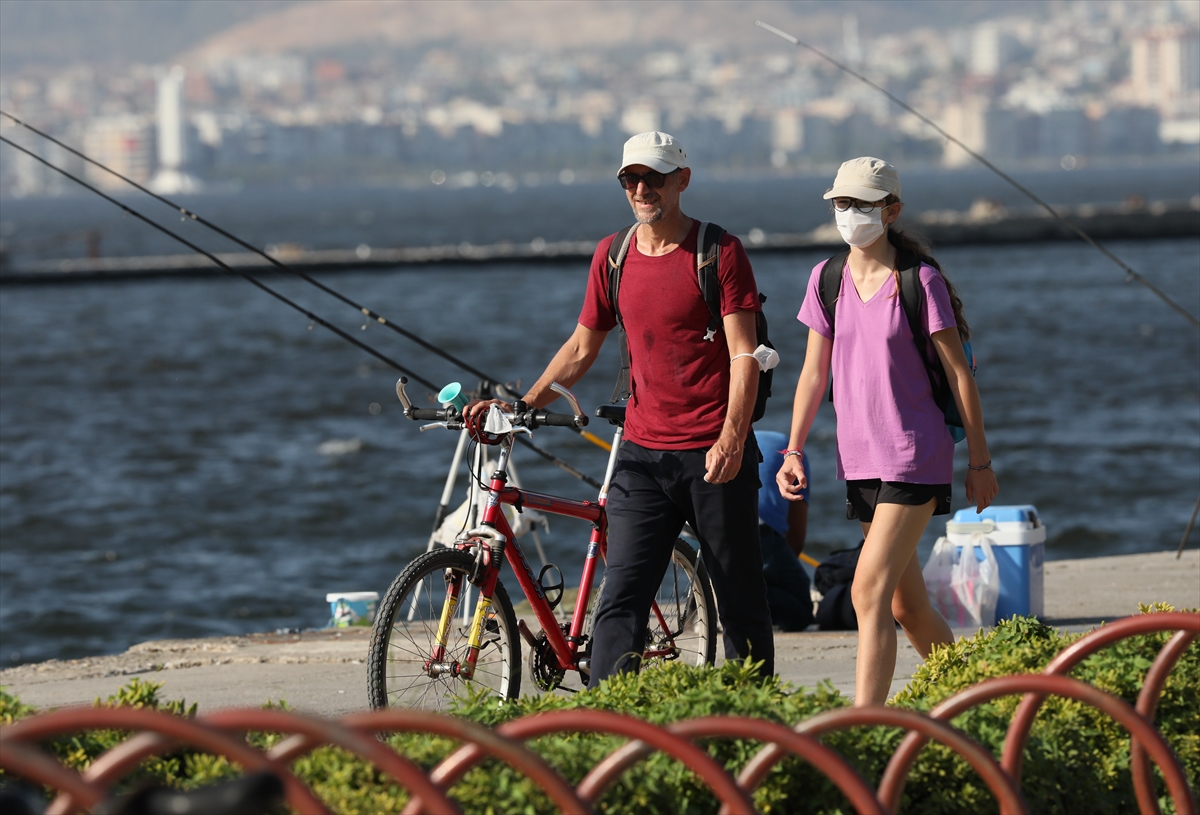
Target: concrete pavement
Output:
[(324, 672)]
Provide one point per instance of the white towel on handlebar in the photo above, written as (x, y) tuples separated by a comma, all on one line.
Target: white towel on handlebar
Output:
[(497, 422)]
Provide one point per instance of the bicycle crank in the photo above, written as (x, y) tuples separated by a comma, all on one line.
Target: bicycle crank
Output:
[(543, 664)]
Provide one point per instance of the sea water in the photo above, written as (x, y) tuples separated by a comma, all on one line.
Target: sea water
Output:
[(183, 458)]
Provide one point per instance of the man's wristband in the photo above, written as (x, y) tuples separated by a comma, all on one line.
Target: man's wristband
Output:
[(987, 466), (787, 453)]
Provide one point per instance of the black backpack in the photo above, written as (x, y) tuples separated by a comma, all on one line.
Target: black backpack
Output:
[(833, 579), (707, 259), (912, 297)]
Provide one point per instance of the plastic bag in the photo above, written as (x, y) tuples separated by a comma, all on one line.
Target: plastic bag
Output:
[(456, 521), (961, 587)]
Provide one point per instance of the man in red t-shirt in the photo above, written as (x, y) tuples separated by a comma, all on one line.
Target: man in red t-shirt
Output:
[(688, 454)]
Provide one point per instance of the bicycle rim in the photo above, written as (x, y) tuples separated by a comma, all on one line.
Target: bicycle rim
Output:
[(685, 603), (405, 634)]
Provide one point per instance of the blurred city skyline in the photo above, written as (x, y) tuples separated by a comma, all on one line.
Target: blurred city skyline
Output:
[(521, 93)]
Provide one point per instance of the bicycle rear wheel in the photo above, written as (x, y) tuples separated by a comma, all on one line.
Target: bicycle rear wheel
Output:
[(686, 605), (399, 673)]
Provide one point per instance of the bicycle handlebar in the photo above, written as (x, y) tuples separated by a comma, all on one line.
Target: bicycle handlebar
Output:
[(521, 417), (532, 419), (427, 414)]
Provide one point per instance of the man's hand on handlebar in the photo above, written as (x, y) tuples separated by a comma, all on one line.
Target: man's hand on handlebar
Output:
[(480, 407)]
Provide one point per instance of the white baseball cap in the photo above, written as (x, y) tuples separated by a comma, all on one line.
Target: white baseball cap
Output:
[(866, 178), (658, 151)]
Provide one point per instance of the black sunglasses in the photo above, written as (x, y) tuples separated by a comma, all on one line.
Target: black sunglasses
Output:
[(843, 204), (652, 179)]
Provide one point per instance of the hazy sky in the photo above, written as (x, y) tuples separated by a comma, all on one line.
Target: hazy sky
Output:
[(62, 32)]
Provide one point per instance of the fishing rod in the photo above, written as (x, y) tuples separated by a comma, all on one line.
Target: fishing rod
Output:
[(275, 261), (367, 312), (282, 298), (250, 278), (1024, 190)]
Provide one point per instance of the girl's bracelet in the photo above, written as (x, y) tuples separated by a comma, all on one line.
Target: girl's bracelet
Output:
[(987, 466), (787, 453)]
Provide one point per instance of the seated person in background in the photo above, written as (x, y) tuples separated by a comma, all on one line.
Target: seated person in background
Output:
[(782, 528)]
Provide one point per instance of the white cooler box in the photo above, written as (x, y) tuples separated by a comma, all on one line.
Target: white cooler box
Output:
[(1018, 541)]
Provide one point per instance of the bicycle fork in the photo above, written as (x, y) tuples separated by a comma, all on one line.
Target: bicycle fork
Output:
[(438, 665)]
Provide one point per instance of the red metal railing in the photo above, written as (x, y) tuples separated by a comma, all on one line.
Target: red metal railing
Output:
[(156, 733)]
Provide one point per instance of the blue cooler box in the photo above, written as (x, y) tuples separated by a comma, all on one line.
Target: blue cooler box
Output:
[(1018, 540)]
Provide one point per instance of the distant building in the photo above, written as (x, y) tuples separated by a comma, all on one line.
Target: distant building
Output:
[(125, 142), (1063, 132), (1125, 131), (987, 129), (1165, 66), (991, 50), (172, 176)]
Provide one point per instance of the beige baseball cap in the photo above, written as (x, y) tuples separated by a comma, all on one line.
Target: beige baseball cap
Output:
[(866, 178), (658, 151)]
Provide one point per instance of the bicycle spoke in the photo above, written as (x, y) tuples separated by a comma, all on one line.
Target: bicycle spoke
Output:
[(403, 673)]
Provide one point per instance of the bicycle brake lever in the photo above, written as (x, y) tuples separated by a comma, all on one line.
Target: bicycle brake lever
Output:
[(432, 425), (570, 397)]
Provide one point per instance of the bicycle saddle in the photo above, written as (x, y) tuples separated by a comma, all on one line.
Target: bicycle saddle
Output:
[(614, 413)]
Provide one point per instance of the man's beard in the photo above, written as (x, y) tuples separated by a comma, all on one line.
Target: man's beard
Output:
[(656, 215)]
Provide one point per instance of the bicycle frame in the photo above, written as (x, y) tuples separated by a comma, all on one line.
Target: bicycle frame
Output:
[(494, 536)]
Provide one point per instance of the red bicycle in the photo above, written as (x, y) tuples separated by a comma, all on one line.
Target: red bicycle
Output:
[(427, 646)]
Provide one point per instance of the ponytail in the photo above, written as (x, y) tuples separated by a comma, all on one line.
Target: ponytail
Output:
[(919, 248)]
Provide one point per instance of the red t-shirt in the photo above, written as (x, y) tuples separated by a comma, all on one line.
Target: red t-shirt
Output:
[(679, 382)]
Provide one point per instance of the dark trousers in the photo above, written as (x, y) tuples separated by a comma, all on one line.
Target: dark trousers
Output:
[(653, 493)]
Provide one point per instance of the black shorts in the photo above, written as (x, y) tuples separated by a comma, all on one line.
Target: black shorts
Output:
[(862, 496)]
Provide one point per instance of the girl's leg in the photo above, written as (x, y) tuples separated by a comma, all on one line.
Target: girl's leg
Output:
[(921, 622), (890, 546)]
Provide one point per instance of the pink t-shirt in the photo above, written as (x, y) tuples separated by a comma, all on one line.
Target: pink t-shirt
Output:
[(888, 424), (679, 382)]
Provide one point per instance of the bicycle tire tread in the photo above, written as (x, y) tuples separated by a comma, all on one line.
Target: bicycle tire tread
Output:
[(400, 588)]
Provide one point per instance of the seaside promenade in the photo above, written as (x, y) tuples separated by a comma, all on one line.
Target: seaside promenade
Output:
[(324, 672)]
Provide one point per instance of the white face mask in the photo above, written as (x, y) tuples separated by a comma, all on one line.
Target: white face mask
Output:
[(859, 228)]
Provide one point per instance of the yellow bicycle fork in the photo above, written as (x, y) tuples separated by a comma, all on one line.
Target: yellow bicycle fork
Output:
[(474, 641)]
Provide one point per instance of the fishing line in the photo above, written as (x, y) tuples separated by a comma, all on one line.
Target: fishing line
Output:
[(367, 312), (225, 234), (344, 335), (1024, 190), (545, 454)]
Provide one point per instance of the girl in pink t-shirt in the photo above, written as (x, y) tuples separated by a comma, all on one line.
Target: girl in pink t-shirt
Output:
[(894, 450)]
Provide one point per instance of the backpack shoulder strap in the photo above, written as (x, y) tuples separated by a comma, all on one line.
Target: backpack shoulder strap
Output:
[(708, 253), (617, 251), (912, 298), (830, 284)]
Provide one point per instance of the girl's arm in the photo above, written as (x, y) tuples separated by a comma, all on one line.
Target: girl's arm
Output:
[(981, 483), (810, 388)]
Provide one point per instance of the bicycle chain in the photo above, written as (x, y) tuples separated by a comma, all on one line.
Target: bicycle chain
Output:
[(541, 657)]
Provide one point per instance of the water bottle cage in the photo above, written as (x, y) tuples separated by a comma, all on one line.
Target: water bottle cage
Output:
[(553, 587)]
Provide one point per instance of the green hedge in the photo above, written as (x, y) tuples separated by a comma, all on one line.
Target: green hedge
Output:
[(1078, 759)]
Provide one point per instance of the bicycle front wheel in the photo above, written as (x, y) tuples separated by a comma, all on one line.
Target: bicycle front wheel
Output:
[(400, 668)]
